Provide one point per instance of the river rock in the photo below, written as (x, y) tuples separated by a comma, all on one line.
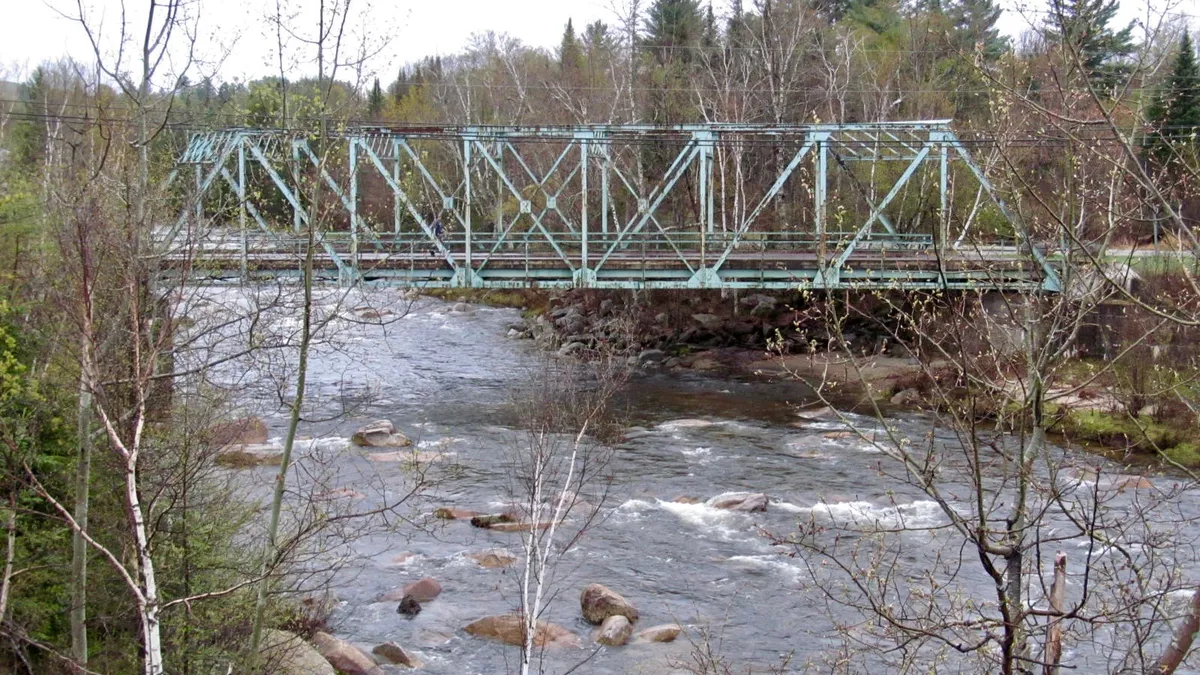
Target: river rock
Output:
[(650, 356), (600, 602), (665, 633), (489, 521), (908, 396), (424, 590), (705, 363), (451, 513), (615, 631), (708, 321), (838, 435), (571, 348), (461, 308), (408, 607), (520, 526), (241, 431), (513, 334), (394, 653), (285, 653), (739, 501), (493, 559), (379, 434), (1123, 483), (345, 657), (686, 500), (757, 299), (244, 456), (510, 629)]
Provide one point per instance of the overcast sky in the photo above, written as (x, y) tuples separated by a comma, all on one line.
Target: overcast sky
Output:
[(237, 32)]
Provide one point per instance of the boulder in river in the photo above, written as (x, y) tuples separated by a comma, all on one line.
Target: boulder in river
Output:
[(424, 590), (345, 657), (395, 654), (241, 431), (510, 629), (461, 308), (245, 456), (286, 653), (600, 602), (666, 632), (521, 526), (493, 559), (488, 521), (615, 631), (1123, 483), (451, 513), (408, 607), (379, 434), (739, 501), (650, 356)]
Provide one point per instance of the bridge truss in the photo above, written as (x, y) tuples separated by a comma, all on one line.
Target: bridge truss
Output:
[(887, 205)]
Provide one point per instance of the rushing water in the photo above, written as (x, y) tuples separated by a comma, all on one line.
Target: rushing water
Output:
[(446, 378)]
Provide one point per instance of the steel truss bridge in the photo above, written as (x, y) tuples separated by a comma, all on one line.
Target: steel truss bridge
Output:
[(603, 207)]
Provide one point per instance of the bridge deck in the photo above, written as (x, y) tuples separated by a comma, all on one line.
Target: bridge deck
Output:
[(409, 262)]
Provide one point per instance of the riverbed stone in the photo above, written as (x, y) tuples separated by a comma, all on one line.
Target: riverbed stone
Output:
[(739, 501), (246, 456), (571, 348), (520, 526), (666, 632), (241, 431), (462, 308), (286, 653), (345, 657), (424, 590), (708, 321), (1123, 483), (908, 396), (650, 356), (452, 513), (397, 655), (599, 602), (379, 434), (510, 629), (488, 521), (408, 607), (493, 559), (615, 631)]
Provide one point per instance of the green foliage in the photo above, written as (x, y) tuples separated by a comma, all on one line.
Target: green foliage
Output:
[(1082, 27), (570, 53), (1175, 111)]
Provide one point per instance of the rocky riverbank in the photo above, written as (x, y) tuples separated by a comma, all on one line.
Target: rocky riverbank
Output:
[(783, 335)]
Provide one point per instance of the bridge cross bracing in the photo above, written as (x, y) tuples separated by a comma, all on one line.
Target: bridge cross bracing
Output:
[(604, 206)]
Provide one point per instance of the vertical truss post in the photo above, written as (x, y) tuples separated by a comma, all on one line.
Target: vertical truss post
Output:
[(396, 179), (943, 190), (583, 205), (467, 204), (354, 202), (296, 187), (604, 189), (820, 194), (705, 216), (242, 197)]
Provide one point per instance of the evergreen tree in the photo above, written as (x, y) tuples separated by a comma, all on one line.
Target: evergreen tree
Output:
[(974, 28), (1083, 26), (673, 28), (375, 101), (570, 54), (1175, 112)]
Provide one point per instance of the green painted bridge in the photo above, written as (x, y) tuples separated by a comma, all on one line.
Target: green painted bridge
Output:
[(872, 206)]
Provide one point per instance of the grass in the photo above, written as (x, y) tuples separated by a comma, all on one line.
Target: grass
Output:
[(1120, 432)]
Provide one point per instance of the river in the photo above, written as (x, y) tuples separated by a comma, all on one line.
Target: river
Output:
[(447, 379)]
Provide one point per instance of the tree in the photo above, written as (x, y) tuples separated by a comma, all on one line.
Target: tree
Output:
[(375, 101), (1081, 27), (1175, 113), (673, 29), (974, 29), (570, 53)]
